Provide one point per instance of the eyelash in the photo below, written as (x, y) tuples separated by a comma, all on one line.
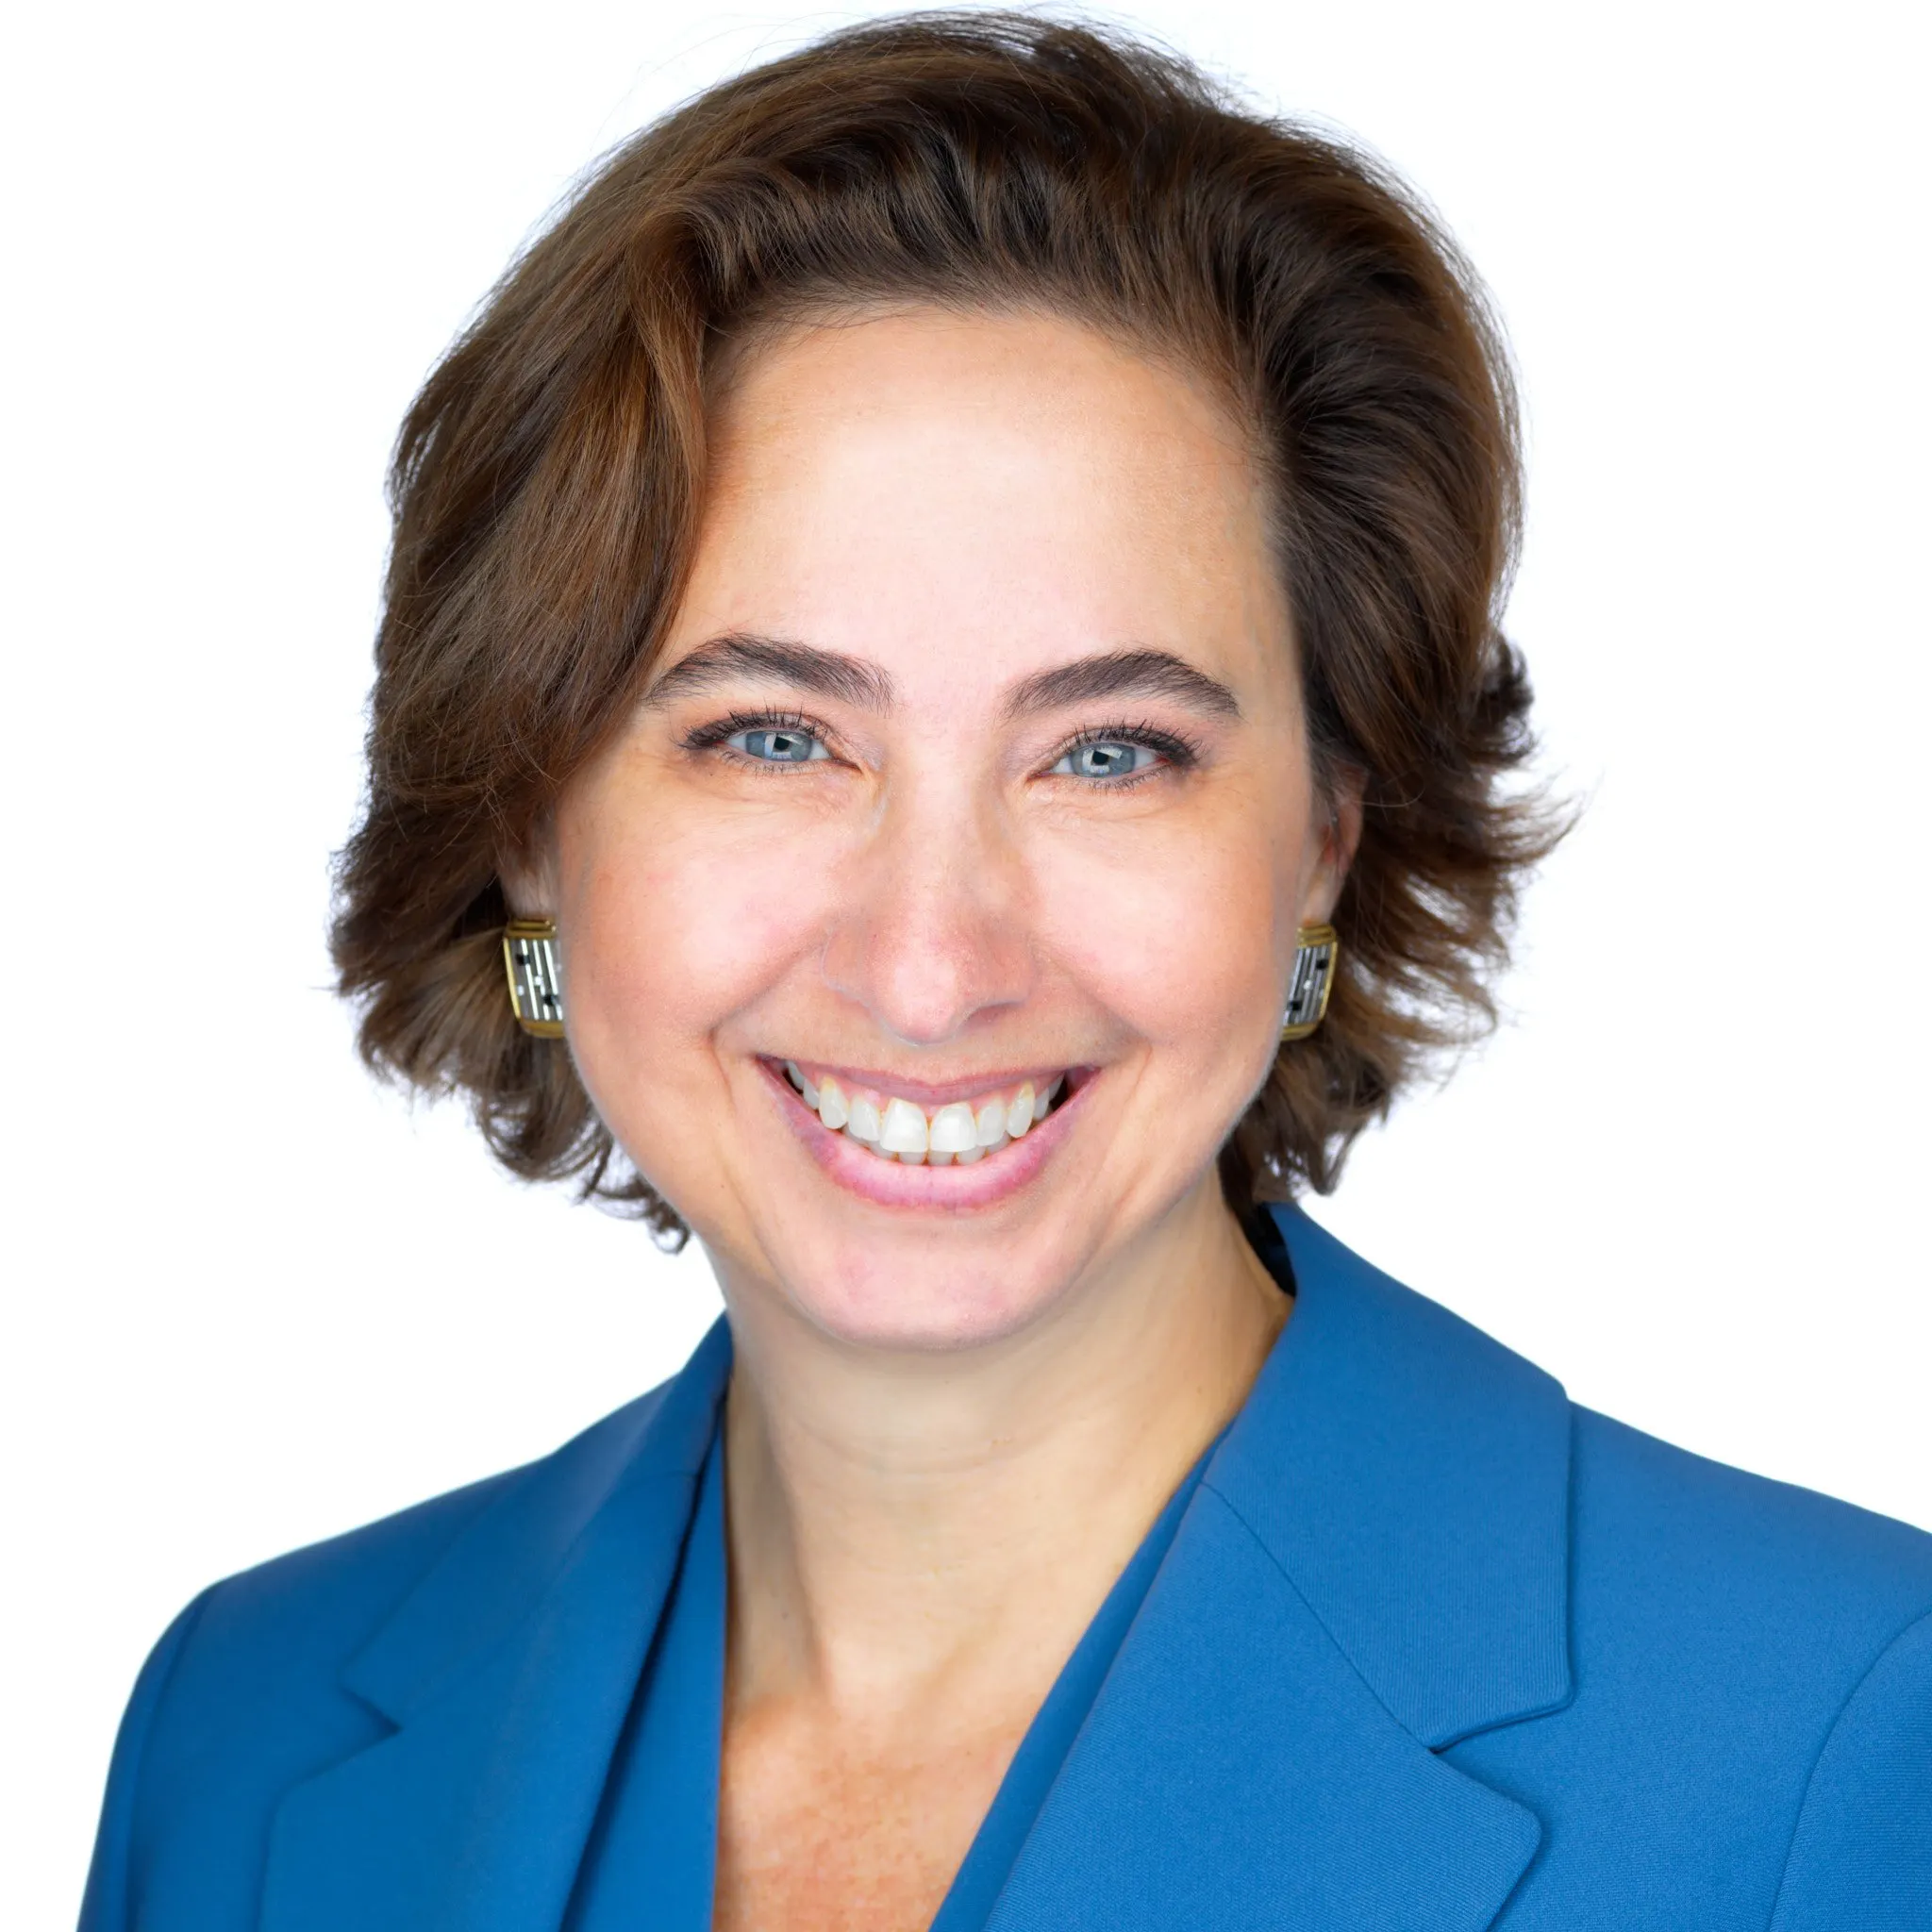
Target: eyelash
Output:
[(712, 737), (1181, 754)]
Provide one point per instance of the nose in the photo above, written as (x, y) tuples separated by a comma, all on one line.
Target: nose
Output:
[(933, 933)]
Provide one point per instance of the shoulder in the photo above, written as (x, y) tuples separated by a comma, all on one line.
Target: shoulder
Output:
[(1719, 1585), (1651, 1520), (1650, 1536), (318, 1605), (1705, 1683), (249, 1692), (1764, 1654)]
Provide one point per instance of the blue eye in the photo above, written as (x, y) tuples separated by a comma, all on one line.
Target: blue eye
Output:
[(777, 744), (1107, 758)]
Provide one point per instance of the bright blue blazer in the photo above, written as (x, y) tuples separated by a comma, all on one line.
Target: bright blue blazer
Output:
[(1433, 1650)]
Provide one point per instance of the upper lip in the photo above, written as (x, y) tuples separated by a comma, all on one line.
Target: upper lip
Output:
[(926, 1092)]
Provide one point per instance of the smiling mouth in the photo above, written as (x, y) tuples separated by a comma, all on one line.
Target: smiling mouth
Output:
[(959, 1133)]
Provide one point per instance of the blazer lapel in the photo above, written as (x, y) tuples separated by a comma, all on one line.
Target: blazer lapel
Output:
[(1373, 1567), (1235, 1771), (509, 1672)]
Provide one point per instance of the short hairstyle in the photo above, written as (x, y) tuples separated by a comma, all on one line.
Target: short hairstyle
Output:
[(547, 480)]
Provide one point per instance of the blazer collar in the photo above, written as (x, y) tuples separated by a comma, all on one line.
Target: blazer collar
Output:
[(1372, 1566), (1412, 1477), (509, 1669), (500, 1570)]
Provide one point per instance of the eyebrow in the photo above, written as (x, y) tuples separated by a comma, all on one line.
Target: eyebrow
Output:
[(1123, 674), (742, 655)]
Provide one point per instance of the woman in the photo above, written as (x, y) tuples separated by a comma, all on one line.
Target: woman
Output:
[(940, 724)]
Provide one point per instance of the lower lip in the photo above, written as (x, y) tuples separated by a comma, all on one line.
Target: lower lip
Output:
[(893, 1184)]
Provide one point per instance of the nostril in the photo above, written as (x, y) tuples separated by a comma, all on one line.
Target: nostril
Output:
[(924, 968)]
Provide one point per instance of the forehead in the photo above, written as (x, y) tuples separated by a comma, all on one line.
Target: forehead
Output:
[(1007, 486)]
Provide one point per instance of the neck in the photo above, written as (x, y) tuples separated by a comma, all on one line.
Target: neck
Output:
[(906, 1527)]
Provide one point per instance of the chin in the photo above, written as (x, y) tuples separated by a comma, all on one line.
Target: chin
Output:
[(926, 1306)]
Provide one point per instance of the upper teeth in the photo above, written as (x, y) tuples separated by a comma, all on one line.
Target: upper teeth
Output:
[(901, 1129)]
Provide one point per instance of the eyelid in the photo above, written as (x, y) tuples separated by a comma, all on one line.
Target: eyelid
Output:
[(712, 736), (1181, 752)]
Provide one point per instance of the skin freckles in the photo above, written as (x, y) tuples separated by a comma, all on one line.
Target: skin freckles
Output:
[(949, 1424)]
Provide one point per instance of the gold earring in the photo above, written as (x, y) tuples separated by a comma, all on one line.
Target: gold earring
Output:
[(1315, 947), (536, 989)]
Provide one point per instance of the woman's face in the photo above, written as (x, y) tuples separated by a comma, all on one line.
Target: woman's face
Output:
[(973, 783)]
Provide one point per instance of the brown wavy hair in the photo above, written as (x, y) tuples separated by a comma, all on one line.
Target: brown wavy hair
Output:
[(546, 484)]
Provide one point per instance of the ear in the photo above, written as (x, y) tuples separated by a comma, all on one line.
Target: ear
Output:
[(1335, 834), (529, 873)]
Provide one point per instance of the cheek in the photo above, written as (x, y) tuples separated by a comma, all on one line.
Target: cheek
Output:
[(670, 929), (1180, 931)]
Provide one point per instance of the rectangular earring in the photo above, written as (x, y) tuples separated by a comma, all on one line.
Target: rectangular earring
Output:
[(1315, 947), (535, 987)]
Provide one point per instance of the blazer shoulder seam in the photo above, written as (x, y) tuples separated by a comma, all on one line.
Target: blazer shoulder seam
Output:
[(173, 1642), (1838, 1716)]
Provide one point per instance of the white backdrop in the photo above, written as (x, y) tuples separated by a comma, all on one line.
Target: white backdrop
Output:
[(251, 1301)]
